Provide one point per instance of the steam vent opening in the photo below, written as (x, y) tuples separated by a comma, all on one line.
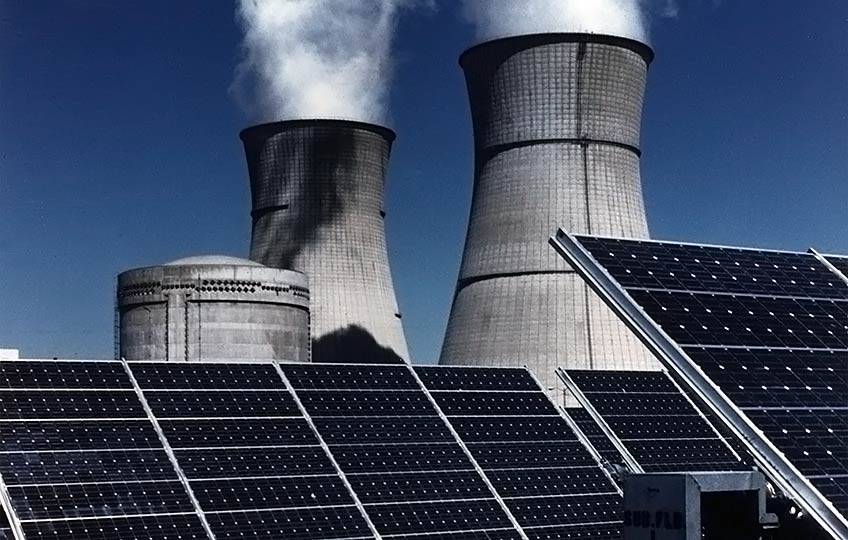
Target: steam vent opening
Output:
[(317, 208), (556, 122)]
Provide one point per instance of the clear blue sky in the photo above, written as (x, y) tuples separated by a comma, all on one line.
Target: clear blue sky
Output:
[(119, 148)]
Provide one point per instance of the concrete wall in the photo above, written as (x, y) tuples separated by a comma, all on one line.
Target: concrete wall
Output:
[(556, 126), (213, 312), (317, 188)]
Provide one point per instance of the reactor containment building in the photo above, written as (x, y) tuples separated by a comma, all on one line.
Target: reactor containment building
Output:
[(556, 137), (212, 308)]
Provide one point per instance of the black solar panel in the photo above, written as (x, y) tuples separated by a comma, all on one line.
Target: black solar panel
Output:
[(84, 453), (86, 450), (441, 378), (297, 524), (400, 457), (770, 329), (659, 427), (253, 461), (528, 452)]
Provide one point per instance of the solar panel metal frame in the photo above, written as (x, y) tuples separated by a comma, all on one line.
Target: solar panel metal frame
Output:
[(825, 260), (776, 465)]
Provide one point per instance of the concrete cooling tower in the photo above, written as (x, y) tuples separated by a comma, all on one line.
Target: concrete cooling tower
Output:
[(213, 308), (556, 135), (317, 190)]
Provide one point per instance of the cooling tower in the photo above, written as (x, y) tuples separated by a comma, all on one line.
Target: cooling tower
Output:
[(317, 190), (556, 136), (213, 308)]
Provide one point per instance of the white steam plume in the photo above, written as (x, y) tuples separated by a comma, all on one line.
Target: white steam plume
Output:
[(316, 58), (626, 18)]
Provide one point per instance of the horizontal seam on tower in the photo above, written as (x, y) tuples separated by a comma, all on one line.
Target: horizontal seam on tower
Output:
[(484, 277), (490, 150)]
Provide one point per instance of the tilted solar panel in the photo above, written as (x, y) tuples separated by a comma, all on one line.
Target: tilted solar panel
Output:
[(654, 421), (80, 458), (399, 456), (253, 462), (546, 477), (769, 329)]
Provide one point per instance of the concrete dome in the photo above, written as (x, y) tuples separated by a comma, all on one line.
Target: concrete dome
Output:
[(205, 260)]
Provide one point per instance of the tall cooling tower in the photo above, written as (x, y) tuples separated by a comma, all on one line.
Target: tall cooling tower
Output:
[(317, 189), (556, 131)]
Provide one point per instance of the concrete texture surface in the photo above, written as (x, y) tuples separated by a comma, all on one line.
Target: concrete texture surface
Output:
[(317, 190), (213, 308), (556, 128)]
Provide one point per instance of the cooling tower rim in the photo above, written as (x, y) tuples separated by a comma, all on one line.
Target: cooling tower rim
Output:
[(527, 41), (265, 130)]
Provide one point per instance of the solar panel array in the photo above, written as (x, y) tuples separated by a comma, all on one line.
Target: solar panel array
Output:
[(112, 450), (655, 422), (769, 328), (546, 477)]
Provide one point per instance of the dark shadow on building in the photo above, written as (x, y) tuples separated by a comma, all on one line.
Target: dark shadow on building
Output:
[(352, 345)]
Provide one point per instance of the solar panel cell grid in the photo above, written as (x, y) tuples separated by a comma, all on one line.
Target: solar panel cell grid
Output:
[(440, 378), (410, 518), (97, 500), (63, 375), (531, 455), (573, 510), (296, 524), (206, 376), (88, 466), (598, 531), (399, 458), (365, 403), (32, 404), (253, 462), (512, 429), (493, 404), (383, 430), (549, 482), (238, 432), (217, 403), (157, 527), (347, 377), (657, 265), (77, 435), (490, 534), (702, 319), (268, 493), (455, 485)]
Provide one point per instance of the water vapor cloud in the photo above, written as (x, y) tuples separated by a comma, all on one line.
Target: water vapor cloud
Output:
[(316, 58), (626, 18)]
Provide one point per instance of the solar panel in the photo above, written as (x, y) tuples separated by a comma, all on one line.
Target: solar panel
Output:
[(80, 458), (654, 421), (399, 456), (132, 450), (252, 460), (546, 477), (769, 329)]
